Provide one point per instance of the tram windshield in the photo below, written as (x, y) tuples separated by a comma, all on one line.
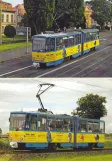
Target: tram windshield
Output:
[(39, 44), (17, 121), (43, 44)]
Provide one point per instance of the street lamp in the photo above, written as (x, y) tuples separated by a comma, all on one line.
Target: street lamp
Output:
[(0, 21)]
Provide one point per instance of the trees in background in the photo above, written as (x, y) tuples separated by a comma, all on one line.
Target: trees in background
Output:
[(91, 106), (40, 13), (102, 11), (10, 31), (55, 14)]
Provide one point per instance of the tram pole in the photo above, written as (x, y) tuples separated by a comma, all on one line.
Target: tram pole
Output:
[(27, 42)]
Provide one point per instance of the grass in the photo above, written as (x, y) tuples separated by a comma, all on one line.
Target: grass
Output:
[(72, 156), (17, 37), (56, 157), (108, 144), (12, 46)]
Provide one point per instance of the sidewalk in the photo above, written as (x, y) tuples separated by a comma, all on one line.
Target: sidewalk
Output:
[(13, 54)]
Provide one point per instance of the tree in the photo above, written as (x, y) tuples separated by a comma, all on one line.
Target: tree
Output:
[(40, 13), (102, 11), (91, 106), (10, 31), (69, 13)]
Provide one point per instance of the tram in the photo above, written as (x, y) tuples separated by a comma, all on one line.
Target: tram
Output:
[(45, 130), (52, 49), (36, 130)]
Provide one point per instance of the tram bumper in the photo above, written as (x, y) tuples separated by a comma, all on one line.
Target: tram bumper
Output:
[(36, 64), (14, 145)]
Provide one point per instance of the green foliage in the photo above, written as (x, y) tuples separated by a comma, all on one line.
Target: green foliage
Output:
[(4, 145), (40, 13), (91, 106), (102, 11), (10, 31), (69, 13), (52, 14)]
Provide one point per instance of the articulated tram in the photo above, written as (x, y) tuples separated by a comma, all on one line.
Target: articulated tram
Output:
[(36, 130), (52, 49)]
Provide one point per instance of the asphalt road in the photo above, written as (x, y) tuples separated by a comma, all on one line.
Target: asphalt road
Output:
[(94, 64)]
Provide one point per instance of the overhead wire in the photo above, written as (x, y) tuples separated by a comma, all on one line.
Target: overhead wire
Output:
[(74, 89)]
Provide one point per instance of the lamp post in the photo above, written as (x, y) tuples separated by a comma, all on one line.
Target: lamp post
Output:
[(0, 21)]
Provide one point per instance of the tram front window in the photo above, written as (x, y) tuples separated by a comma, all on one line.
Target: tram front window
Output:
[(39, 44), (17, 122)]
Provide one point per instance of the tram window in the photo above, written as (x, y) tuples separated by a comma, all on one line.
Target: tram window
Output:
[(67, 125), (33, 124), (42, 123), (27, 125), (71, 41), (76, 39), (96, 127), (59, 43), (65, 42), (90, 126), (50, 44), (88, 38), (102, 127), (59, 124), (79, 39), (96, 36), (82, 126), (51, 123)]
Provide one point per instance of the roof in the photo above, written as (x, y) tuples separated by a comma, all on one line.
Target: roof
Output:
[(7, 7), (58, 34)]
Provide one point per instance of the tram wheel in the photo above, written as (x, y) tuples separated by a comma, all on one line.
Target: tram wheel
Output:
[(52, 147), (42, 65), (90, 146)]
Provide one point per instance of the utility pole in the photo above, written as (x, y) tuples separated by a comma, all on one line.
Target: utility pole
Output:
[(0, 22)]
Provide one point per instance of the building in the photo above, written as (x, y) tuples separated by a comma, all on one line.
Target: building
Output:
[(20, 11), (88, 12), (7, 15)]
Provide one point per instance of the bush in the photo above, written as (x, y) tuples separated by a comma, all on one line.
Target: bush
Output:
[(10, 31)]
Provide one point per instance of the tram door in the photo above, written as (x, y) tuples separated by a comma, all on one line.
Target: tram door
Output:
[(75, 134)]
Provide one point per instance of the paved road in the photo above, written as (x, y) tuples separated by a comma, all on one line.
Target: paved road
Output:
[(94, 64)]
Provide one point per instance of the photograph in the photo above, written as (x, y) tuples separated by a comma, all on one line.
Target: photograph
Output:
[(55, 119), (55, 38), (55, 80)]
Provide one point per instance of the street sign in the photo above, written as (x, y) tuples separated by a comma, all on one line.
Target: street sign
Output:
[(23, 31)]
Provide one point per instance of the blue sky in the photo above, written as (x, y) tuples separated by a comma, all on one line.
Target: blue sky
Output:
[(20, 94)]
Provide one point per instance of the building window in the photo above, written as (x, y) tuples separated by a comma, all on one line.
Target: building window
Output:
[(2, 17), (12, 19), (3, 29), (7, 7), (7, 18)]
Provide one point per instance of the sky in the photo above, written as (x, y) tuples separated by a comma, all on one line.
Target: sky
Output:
[(15, 2), (20, 94)]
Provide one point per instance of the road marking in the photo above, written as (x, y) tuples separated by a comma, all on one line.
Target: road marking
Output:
[(15, 71), (70, 63)]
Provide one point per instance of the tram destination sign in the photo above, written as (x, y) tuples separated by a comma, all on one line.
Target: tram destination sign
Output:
[(23, 31)]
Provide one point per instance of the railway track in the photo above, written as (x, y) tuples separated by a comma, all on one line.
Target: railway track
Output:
[(56, 151)]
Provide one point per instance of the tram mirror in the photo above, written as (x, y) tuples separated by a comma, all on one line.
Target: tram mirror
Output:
[(38, 123)]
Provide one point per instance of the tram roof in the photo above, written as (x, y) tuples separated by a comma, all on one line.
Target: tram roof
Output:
[(89, 30), (58, 34)]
